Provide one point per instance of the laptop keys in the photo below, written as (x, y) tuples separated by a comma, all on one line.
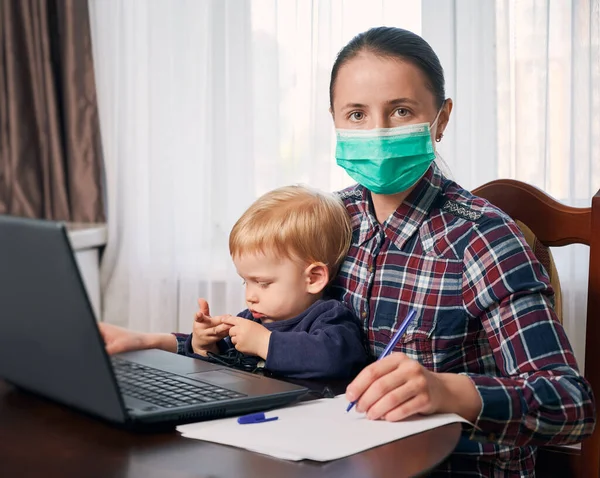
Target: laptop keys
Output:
[(162, 389)]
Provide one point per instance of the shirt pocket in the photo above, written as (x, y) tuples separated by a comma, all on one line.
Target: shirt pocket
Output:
[(434, 291), (437, 339), (416, 342)]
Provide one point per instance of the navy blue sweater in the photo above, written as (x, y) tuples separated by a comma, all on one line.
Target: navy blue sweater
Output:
[(325, 341)]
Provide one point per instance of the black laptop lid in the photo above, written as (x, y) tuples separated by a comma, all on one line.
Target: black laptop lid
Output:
[(49, 340)]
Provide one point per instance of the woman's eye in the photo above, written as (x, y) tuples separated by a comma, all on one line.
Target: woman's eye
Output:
[(357, 116), (402, 112), (263, 285)]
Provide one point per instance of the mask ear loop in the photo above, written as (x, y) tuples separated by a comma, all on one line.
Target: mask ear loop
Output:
[(446, 171), (437, 116), (439, 138)]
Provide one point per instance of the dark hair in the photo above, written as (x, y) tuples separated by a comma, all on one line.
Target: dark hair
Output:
[(395, 43)]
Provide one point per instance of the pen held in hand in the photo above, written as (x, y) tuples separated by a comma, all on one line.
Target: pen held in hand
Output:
[(390, 346)]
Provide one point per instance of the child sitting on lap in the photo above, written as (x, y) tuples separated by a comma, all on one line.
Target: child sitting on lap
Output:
[(287, 247)]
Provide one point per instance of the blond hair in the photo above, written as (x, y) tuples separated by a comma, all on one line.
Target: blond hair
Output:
[(295, 222)]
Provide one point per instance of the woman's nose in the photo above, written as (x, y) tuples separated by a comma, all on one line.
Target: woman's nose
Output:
[(380, 120)]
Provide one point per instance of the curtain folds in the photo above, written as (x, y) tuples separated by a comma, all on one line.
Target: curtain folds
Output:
[(50, 148)]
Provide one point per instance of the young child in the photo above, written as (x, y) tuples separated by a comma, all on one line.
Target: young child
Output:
[(287, 247)]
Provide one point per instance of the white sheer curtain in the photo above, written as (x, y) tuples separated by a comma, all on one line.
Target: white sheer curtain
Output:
[(172, 79), (525, 76), (205, 105)]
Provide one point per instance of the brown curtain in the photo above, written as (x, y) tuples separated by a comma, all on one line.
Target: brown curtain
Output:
[(50, 152)]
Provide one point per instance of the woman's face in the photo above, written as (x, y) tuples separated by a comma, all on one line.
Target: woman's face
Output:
[(379, 92)]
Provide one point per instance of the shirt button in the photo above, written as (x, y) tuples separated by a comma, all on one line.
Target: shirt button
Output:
[(492, 437), (371, 269), (364, 314)]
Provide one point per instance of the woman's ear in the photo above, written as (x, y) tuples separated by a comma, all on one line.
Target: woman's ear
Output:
[(444, 118), (317, 277)]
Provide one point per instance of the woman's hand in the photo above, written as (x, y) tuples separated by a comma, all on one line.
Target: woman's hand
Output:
[(118, 339), (398, 387)]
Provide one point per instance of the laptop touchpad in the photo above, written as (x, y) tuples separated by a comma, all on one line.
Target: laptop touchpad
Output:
[(221, 378)]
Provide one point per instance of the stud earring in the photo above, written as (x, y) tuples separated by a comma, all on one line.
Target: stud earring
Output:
[(439, 138)]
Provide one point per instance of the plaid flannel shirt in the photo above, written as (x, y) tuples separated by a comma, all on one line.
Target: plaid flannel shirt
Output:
[(484, 309)]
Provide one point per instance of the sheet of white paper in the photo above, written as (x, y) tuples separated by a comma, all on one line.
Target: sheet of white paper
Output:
[(319, 430), (272, 452)]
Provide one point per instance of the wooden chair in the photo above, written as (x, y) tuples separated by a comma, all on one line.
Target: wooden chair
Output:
[(555, 224)]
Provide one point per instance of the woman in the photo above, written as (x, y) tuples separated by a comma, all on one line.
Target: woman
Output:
[(485, 343)]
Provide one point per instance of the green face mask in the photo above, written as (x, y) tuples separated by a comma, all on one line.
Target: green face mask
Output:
[(386, 160)]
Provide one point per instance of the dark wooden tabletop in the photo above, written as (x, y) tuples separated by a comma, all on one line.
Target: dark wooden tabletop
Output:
[(40, 438)]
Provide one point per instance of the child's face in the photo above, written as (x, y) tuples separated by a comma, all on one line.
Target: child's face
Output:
[(276, 288)]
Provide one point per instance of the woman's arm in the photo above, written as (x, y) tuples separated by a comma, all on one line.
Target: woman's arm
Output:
[(538, 397), (533, 393), (119, 339)]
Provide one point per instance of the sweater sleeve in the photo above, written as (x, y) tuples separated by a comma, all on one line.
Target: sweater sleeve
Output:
[(181, 341), (331, 348)]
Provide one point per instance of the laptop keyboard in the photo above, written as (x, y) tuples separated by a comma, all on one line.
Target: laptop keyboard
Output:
[(163, 388)]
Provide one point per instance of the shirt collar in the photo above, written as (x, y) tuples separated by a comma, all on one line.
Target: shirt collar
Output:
[(407, 219)]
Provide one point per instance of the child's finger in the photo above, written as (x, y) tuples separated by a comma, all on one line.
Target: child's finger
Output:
[(203, 306), (228, 319), (222, 329), (212, 321), (207, 321), (202, 318)]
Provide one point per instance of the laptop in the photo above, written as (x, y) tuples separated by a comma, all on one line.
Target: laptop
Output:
[(50, 345)]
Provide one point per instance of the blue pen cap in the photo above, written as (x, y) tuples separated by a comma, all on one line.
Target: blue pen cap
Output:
[(255, 418)]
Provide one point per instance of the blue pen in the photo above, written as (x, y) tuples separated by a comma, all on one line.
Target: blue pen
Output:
[(393, 342), (255, 418)]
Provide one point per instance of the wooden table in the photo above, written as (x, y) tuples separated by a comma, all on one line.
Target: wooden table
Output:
[(40, 438)]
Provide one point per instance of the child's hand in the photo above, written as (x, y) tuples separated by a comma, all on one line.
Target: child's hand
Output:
[(205, 334), (118, 339), (247, 336)]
